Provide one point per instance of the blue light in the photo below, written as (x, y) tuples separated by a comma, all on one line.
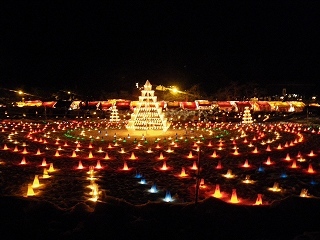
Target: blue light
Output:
[(143, 181), (284, 175), (138, 175), (313, 182), (168, 197), (261, 169), (153, 189)]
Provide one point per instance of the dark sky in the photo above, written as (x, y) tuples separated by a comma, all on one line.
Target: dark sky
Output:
[(111, 46)]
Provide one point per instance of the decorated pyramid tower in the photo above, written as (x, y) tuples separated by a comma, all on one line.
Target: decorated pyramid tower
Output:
[(246, 118), (114, 116), (148, 114)]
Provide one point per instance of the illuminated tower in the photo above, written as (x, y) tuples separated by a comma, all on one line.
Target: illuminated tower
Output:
[(114, 116), (246, 118), (148, 114)]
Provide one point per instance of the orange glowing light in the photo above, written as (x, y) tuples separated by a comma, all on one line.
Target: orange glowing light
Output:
[(133, 157), (287, 157), (107, 156), (294, 164), (125, 166), (219, 165), (183, 173), (24, 151), (5, 147), (217, 193), (255, 150), (23, 161), (57, 154), (209, 144), (236, 152), (80, 166), (279, 146), (246, 164), (268, 162), (190, 155), (98, 166), (311, 154), (44, 162), (45, 173), (234, 198), (275, 187), (259, 199), (51, 168), (164, 166), (30, 191), (229, 174), (214, 154), (304, 192), (74, 154), (161, 156), (38, 152), (310, 168), (194, 166), (36, 182)]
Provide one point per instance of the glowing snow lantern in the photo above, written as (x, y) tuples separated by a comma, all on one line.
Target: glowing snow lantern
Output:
[(190, 155), (229, 174), (45, 173), (304, 192), (44, 163), (255, 150), (236, 152), (259, 199), (30, 191), (125, 166), (168, 197), (214, 154), (247, 179), (209, 144), (183, 173), (268, 162), (90, 145), (275, 187), (100, 150), (36, 182), (5, 147), (38, 152), (23, 161), (202, 185), (194, 166), (24, 150), (80, 166), (74, 154), (279, 146), (294, 164), (149, 150), (90, 155), (234, 198), (217, 193), (133, 157), (169, 150), (107, 156), (98, 166), (219, 165), (153, 189), (122, 150), (164, 166), (94, 192), (161, 156), (288, 158), (310, 169), (57, 154), (51, 168), (311, 154), (246, 164)]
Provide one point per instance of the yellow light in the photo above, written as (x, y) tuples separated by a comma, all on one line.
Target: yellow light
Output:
[(20, 92)]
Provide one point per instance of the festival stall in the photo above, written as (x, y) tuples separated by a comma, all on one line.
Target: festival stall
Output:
[(204, 104), (225, 106), (240, 106), (105, 105), (296, 106), (188, 105), (261, 106)]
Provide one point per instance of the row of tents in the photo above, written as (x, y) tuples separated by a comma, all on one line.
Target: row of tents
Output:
[(122, 104)]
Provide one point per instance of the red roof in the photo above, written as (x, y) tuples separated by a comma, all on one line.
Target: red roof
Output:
[(224, 104), (49, 104), (188, 105), (105, 105)]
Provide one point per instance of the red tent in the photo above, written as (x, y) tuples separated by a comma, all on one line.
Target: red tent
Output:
[(105, 105), (123, 104), (264, 106), (49, 104), (225, 106), (188, 105), (242, 105)]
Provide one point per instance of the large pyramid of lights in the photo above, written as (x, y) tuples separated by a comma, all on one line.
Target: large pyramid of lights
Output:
[(147, 115), (246, 118)]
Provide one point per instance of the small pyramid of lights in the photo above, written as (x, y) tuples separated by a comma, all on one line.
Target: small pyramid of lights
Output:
[(114, 116), (246, 118), (148, 114)]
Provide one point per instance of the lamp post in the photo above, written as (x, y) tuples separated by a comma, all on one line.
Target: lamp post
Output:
[(198, 179)]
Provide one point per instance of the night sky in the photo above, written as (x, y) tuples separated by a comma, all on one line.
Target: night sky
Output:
[(89, 47)]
